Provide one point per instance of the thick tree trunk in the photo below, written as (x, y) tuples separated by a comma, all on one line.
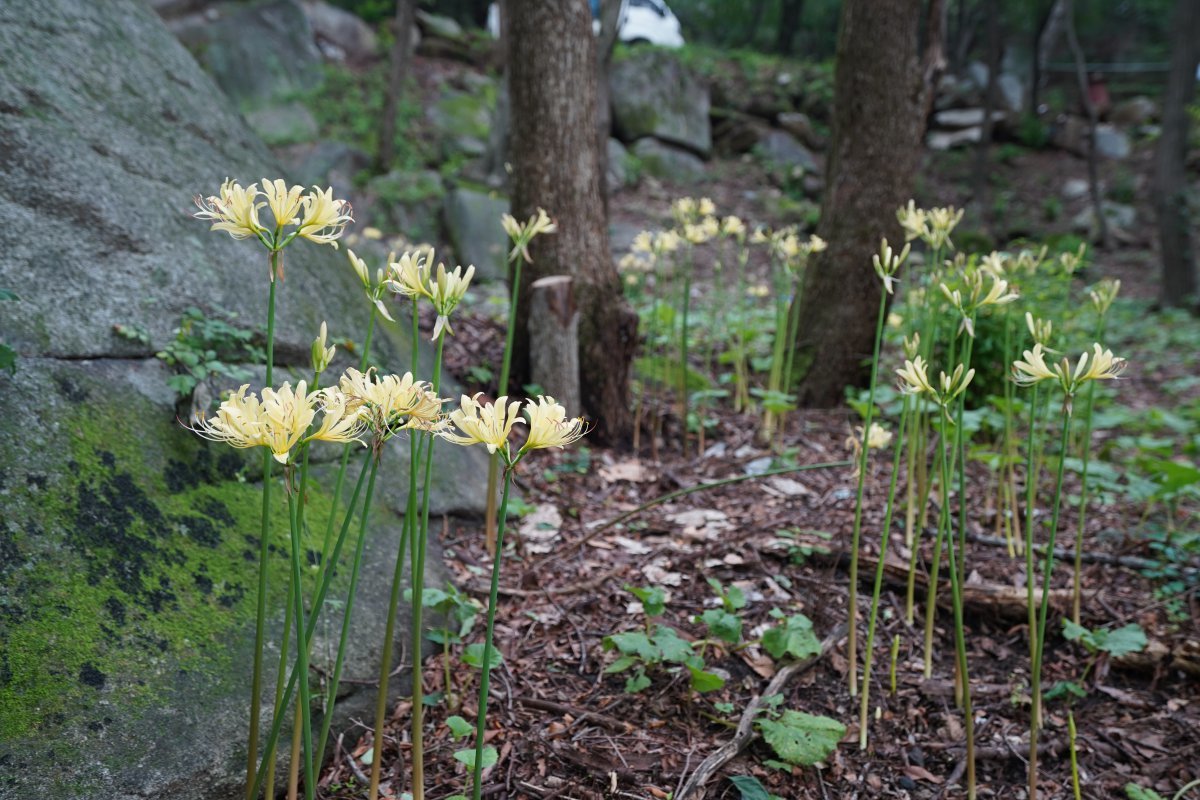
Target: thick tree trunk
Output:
[(401, 56), (556, 165), (870, 173), (554, 340), (1179, 284), (1089, 109)]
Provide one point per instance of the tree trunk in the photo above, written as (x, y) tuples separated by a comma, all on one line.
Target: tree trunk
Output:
[(1042, 43), (554, 340), (556, 165), (401, 56), (756, 15), (610, 19), (872, 164), (790, 12), (1179, 265)]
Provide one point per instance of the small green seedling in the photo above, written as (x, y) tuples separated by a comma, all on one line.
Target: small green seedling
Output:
[(793, 637), (723, 623)]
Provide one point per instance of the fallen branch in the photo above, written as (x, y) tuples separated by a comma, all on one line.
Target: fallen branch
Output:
[(1066, 555), (745, 729), (611, 723)]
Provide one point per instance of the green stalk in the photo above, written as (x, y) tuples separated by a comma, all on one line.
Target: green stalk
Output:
[(683, 353), (318, 601), (1074, 757), (502, 389), (264, 554), (305, 700), (1007, 502), (343, 639), (864, 708), (961, 450), (793, 330), (852, 642), (417, 557), (775, 378), (280, 678), (895, 654), (960, 640), (493, 597), (1047, 568), (1035, 707), (741, 400), (1085, 455)]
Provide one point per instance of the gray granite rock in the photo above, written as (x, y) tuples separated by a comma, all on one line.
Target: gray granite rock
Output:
[(654, 94), (473, 225)]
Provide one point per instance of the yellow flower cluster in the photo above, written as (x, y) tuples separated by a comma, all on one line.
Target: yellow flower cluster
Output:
[(490, 424), (316, 215), (914, 379), (522, 235), (1097, 365), (391, 403), (281, 419), (932, 226)]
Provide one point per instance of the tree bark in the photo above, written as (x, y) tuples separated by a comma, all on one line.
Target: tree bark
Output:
[(982, 193), (1179, 285), (554, 340), (401, 56), (610, 19), (872, 164), (556, 166)]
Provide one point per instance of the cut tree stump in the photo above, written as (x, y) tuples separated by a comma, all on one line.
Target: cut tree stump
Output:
[(554, 340)]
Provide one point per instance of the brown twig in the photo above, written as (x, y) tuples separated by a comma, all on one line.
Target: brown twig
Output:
[(612, 723), (745, 729)]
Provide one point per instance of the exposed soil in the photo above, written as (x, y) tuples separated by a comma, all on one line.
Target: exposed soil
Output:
[(564, 728)]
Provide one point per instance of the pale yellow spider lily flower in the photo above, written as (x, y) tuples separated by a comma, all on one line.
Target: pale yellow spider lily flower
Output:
[(522, 235), (887, 262), (1101, 366), (912, 345), (284, 202), (1039, 329), (486, 424), (1073, 261), (549, 426), (238, 421), (389, 403), (696, 233), (666, 242), (325, 218), (1034, 368), (705, 207), (360, 268), (643, 243), (446, 293), (684, 209), (994, 262), (409, 276), (954, 385), (1104, 294), (234, 211), (998, 294), (816, 244), (941, 223), (734, 227), (338, 422), (374, 291), (711, 226), (914, 377), (912, 220), (322, 355)]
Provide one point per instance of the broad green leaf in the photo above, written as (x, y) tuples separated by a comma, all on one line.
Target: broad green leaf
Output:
[(635, 683), (749, 787), (473, 656), (723, 625), (1122, 641), (633, 643), (654, 599), (704, 681), (1135, 792), (621, 664), (794, 637), (1064, 688), (671, 647), (800, 738), (459, 727), (490, 757)]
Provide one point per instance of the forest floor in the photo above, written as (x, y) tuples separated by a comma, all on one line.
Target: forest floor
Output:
[(566, 729)]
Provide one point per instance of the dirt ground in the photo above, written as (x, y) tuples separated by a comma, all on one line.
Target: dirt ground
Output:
[(566, 729)]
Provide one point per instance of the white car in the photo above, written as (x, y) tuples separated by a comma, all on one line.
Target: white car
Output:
[(648, 21)]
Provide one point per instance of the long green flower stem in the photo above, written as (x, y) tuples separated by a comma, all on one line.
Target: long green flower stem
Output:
[(793, 330), (1035, 704), (385, 658), (852, 614), (502, 389), (741, 397), (869, 652), (417, 556), (1085, 455), (775, 378), (1007, 502), (1075, 788), (485, 674), (1047, 568), (339, 482), (960, 436), (264, 555), (343, 639), (684, 403), (318, 602), (305, 700), (280, 679), (960, 643), (935, 565)]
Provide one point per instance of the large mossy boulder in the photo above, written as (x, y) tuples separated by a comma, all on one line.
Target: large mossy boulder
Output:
[(654, 94), (127, 544), (473, 224)]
